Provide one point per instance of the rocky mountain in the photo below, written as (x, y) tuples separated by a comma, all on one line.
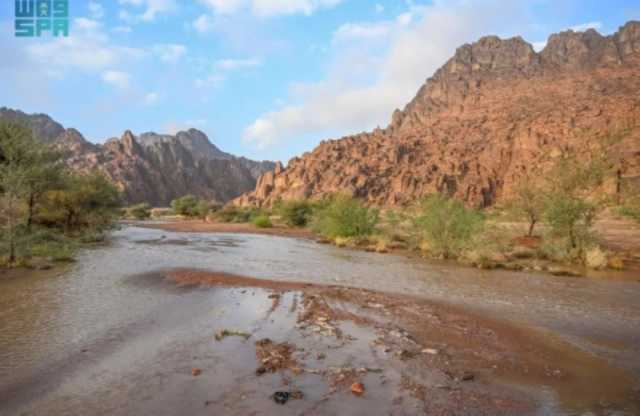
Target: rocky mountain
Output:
[(496, 111), (153, 168)]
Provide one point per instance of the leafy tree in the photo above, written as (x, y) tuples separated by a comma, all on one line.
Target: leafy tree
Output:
[(89, 200), (15, 152), (186, 205), (295, 213), (528, 203), (343, 216), (447, 225), (570, 207)]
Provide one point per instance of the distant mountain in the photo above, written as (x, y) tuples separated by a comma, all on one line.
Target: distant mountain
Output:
[(495, 112), (154, 168)]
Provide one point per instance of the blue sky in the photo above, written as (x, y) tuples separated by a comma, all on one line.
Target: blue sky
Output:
[(267, 79)]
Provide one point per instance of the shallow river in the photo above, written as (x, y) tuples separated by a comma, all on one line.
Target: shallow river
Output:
[(46, 321)]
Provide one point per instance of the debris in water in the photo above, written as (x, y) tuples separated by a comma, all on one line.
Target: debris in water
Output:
[(273, 357), (282, 397), (223, 333), (357, 389), (468, 377)]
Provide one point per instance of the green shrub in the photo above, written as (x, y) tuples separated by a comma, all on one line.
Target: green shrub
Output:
[(295, 213), (342, 216), (262, 221), (139, 211), (570, 219), (447, 226), (235, 214), (186, 205)]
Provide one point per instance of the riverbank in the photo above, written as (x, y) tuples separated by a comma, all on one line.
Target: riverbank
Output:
[(621, 237), (162, 322)]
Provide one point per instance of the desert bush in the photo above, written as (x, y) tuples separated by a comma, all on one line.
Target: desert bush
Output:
[(295, 213), (186, 205), (570, 219), (528, 203), (447, 226), (232, 213), (262, 221), (139, 211), (342, 216)]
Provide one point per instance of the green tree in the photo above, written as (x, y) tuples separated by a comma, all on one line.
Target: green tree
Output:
[(295, 213), (447, 225), (186, 205), (528, 203), (15, 156), (571, 206), (342, 216), (88, 200)]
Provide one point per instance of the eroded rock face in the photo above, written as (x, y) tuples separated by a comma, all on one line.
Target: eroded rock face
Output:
[(494, 112), (153, 168)]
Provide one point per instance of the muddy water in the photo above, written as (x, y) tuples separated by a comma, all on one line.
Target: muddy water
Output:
[(54, 326)]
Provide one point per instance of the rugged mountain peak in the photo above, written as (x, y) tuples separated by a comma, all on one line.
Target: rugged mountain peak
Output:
[(193, 140), (43, 126), (496, 111), (628, 38), (71, 143), (129, 143), (491, 53)]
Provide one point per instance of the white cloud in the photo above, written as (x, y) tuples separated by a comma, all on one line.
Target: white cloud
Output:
[(585, 26), (365, 84), (152, 8), (283, 7), (89, 49), (211, 80), (118, 79), (203, 24), (224, 6), (84, 24), (169, 52), (221, 69), (539, 46), (269, 8), (234, 64), (151, 98), (96, 11), (351, 31)]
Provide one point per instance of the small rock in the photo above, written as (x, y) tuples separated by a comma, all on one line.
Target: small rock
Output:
[(431, 351), (357, 389), (281, 397), (468, 377), (196, 372)]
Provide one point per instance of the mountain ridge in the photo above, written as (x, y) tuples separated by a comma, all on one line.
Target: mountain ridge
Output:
[(493, 113), (151, 167)]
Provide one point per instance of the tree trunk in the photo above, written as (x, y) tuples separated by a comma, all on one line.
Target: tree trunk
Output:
[(532, 225), (31, 205), (12, 250)]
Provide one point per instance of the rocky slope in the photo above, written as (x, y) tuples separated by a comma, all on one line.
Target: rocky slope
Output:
[(151, 167), (495, 112)]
